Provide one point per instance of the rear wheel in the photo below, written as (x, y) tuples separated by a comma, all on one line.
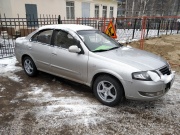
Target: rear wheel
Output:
[(29, 66), (108, 90)]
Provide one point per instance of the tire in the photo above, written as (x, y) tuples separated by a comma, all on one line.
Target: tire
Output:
[(108, 90), (29, 67)]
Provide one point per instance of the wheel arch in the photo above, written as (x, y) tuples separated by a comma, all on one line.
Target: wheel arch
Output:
[(26, 55), (31, 70), (108, 74)]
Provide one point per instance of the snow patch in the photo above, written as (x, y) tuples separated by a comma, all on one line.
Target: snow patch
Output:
[(125, 35), (15, 78), (35, 91), (154, 76), (165, 78), (2, 89), (7, 65)]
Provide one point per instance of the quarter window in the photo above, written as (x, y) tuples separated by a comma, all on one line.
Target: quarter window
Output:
[(64, 39), (43, 36), (70, 10)]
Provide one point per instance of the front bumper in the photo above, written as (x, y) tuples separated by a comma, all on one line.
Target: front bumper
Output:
[(147, 90)]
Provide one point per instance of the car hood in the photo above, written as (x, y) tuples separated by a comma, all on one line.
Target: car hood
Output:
[(136, 58)]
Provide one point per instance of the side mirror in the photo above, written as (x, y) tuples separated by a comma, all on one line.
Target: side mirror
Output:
[(74, 49)]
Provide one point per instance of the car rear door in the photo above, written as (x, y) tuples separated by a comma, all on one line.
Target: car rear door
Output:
[(41, 49), (70, 65)]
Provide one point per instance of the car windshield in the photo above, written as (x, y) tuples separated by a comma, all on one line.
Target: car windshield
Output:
[(97, 41)]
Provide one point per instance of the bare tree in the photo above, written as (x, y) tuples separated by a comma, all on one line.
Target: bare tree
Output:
[(132, 9), (142, 4), (173, 8), (144, 7), (126, 8), (178, 6), (152, 7)]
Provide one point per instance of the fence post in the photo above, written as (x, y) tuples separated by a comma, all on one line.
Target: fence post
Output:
[(147, 28), (77, 20), (172, 26), (178, 27), (104, 24), (167, 27), (40, 20), (1, 24), (99, 25), (134, 28), (159, 25), (44, 20), (59, 19), (19, 24), (144, 19)]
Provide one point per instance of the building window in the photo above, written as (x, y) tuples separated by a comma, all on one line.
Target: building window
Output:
[(104, 13), (96, 11), (70, 10), (111, 12)]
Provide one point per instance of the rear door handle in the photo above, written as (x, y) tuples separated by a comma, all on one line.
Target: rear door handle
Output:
[(30, 46), (54, 53)]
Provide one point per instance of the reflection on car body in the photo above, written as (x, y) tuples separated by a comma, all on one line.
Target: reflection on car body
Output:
[(85, 55)]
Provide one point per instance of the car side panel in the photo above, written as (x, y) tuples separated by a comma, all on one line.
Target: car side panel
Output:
[(41, 55), (70, 65)]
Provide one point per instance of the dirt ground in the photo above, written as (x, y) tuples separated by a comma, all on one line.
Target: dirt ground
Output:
[(51, 105)]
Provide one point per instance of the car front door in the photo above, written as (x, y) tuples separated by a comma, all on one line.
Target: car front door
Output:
[(69, 65), (40, 49)]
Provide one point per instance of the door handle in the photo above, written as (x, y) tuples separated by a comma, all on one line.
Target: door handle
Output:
[(54, 53)]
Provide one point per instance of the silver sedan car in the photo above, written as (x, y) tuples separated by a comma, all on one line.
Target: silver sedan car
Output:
[(86, 55)]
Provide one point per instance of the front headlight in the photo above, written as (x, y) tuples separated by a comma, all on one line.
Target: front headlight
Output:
[(141, 76)]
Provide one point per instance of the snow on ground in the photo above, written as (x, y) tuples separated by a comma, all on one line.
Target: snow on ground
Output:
[(8, 68), (66, 111), (125, 35), (8, 65), (79, 115)]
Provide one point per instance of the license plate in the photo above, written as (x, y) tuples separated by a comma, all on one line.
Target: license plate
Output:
[(168, 86)]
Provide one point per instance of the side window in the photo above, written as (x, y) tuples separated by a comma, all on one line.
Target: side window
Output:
[(64, 39), (43, 36)]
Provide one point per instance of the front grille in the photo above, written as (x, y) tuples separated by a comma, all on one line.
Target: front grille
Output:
[(165, 70)]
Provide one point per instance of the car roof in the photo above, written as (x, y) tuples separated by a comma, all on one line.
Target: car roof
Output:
[(74, 27)]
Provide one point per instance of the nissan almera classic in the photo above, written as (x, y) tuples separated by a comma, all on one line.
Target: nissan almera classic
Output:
[(86, 55)]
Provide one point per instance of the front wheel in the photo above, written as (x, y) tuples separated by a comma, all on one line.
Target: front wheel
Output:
[(108, 90), (29, 66)]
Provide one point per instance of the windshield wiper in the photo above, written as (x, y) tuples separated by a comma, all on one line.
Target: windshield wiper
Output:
[(99, 50), (113, 48), (105, 50)]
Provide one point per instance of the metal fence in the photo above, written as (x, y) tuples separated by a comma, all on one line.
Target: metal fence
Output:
[(127, 29), (11, 28), (131, 28)]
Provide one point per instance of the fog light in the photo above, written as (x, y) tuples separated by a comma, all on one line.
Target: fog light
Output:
[(151, 94)]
